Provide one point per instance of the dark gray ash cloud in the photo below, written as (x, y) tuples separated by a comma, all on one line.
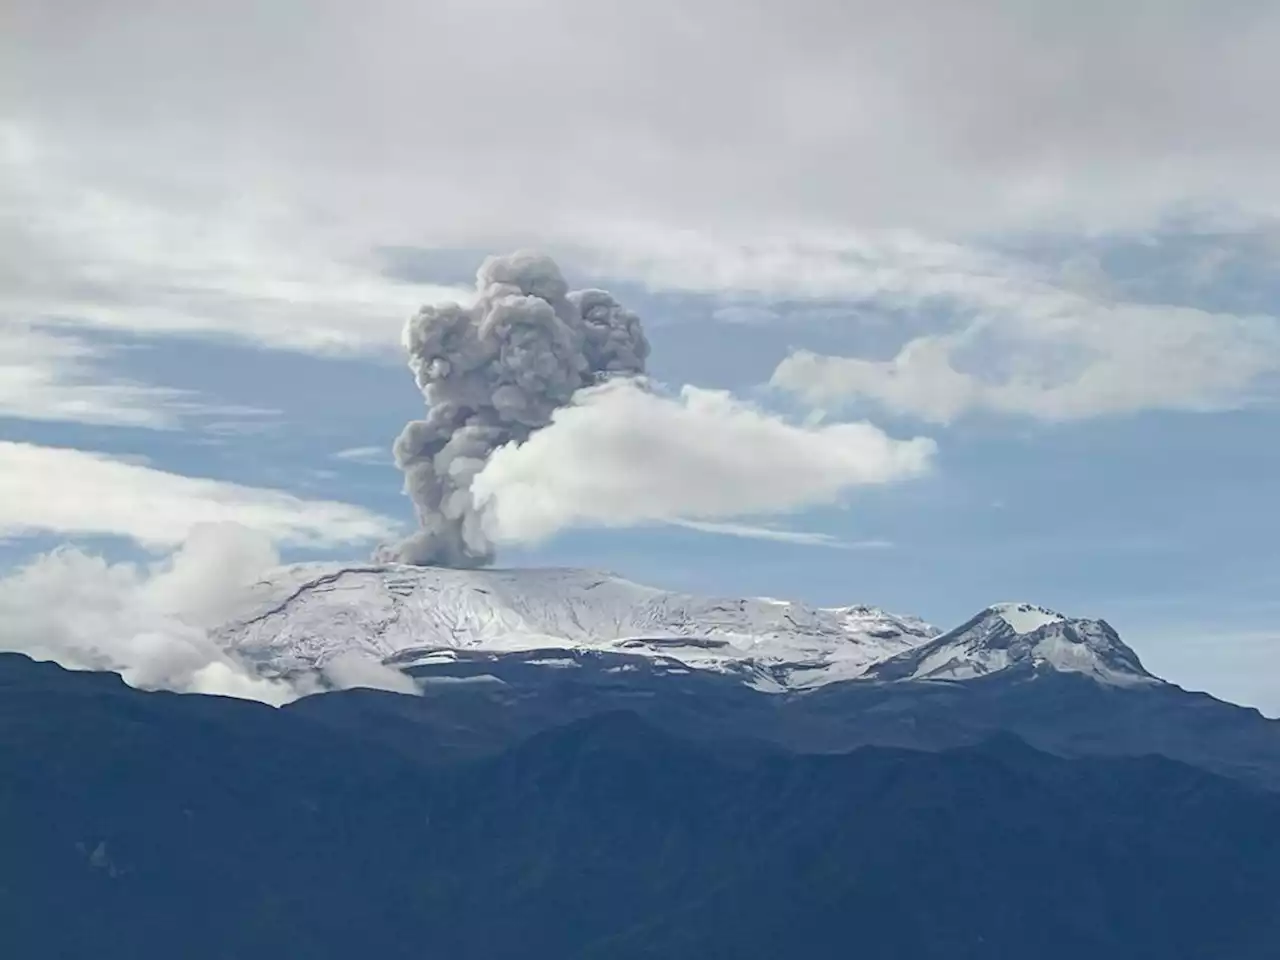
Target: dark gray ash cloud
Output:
[(492, 373)]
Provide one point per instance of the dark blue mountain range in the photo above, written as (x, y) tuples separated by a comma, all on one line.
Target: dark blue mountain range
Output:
[(147, 825)]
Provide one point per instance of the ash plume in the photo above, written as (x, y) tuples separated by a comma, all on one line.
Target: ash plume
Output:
[(492, 374)]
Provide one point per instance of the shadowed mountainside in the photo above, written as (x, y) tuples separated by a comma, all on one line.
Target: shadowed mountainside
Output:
[(147, 825)]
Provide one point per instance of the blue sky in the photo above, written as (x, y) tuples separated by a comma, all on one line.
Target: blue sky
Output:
[(207, 278)]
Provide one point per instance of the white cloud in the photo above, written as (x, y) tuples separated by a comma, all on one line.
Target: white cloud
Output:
[(1054, 355), (350, 670), (249, 201), (995, 334), (149, 624), (80, 248), (54, 375), (754, 532), (155, 624), (943, 117), (44, 376), (900, 267), (622, 455), (75, 492)]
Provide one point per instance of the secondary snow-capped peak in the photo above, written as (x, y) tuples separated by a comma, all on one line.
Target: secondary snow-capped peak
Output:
[(1020, 639)]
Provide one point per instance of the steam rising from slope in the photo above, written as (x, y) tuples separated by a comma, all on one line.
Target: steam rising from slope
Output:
[(148, 623), (154, 624), (492, 374)]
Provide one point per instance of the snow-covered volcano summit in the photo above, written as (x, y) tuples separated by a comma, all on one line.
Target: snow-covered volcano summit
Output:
[(303, 617), (1020, 638)]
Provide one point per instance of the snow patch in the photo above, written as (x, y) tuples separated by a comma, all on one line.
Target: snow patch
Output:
[(305, 616), (1025, 617), (557, 662), (310, 613), (480, 678), (1025, 639)]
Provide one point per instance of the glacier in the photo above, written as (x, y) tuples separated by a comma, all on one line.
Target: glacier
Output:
[(304, 616), (1020, 639)]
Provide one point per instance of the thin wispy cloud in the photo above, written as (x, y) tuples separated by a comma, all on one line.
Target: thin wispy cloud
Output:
[(801, 537), (58, 377), (370, 456), (83, 249), (55, 376), (67, 492)]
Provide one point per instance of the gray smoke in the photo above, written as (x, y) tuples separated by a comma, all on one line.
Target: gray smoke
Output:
[(492, 374)]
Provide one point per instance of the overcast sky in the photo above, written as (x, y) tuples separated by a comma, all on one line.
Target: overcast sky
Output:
[(978, 299)]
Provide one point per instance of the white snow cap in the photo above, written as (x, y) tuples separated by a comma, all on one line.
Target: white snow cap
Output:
[(303, 616), (1025, 617)]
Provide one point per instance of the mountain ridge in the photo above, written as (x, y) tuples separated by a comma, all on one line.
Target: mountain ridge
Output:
[(1021, 639), (305, 614), (235, 829)]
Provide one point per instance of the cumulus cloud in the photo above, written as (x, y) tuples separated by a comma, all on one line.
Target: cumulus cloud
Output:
[(622, 454), (986, 332), (1054, 356), (76, 492), (155, 624)]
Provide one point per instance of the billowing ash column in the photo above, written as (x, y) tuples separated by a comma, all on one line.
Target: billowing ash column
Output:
[(492, 374)]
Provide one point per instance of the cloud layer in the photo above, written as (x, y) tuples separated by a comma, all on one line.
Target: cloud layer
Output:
[(932, 116), (1036, 350), (623, 455), (83, 247), (74, 492), (255, 194)]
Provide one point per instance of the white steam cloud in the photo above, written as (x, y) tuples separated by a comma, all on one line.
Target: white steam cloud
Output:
[(621, 455), (154, 623), (492, 374), (539, 418)]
